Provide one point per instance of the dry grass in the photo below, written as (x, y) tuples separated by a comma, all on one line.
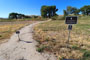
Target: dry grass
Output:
[(54, 36), (7, 28)]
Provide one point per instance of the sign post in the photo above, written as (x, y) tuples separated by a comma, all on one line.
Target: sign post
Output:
[(18, 32), (70, 20)]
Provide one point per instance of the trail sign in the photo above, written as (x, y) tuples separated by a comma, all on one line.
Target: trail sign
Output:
[(71, 20), (18, 32), (69, 27)]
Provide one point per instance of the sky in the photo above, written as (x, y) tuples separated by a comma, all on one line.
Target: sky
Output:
[(32, 7)]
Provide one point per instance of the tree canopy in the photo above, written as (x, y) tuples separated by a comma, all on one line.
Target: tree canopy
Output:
[(85, 10), (16, 16), (71, 10), (48, 11)]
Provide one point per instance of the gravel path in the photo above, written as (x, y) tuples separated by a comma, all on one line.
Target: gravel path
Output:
[(24, 49)]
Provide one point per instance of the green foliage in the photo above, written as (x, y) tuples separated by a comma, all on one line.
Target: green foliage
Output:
[(74, 47), (48, 11), (71, 10), (85, 10), (86, 55), (16, 16), (41, 49), (13, 15), (65, 13), (59, 59), (83, 50)]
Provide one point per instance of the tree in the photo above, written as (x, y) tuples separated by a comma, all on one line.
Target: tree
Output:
[(48, 11), (75, 11), (69, 10), (65, 13), (44, 11), (16, 16), (13, 15), (20, 16), (72, 10), (85, 10)]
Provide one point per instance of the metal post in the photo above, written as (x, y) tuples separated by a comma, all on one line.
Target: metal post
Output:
[(69, 28), (18, 32), (18, 37), (68, 39)]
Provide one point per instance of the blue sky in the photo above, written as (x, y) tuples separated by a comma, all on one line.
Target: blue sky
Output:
[(32, 7)]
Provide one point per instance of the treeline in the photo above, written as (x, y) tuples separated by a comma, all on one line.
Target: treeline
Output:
[(50, 12), (85, 10), (20, 16)]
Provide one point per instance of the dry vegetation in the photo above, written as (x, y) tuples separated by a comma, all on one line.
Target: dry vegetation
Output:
[(7, 28), (52, 37)]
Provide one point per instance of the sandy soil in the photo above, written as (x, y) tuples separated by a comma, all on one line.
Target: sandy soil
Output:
[(24, 49)]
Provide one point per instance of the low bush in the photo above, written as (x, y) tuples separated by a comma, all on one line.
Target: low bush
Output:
[(86, 55), (41, 49)]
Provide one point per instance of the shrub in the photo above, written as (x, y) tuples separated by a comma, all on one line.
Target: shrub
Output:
[(41, 49), (86, 55)]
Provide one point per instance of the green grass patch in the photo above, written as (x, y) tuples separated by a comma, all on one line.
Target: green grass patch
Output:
[(86, 55), (75, 47), (41, 49)]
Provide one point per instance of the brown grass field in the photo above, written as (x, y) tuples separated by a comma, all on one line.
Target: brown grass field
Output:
[(52, 37), (8, 28)]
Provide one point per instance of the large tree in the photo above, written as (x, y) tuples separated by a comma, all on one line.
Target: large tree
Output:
[(13, 15), (65, 13), (48, 11), (16, 16), (85, 10), (44, 11), (71, 10), (20, 16)]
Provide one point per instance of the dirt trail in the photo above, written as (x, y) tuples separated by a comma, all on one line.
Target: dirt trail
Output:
[(23, 50)]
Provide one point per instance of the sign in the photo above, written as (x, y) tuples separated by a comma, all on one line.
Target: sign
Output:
[(71, 20), (69, 27), (17, 32)]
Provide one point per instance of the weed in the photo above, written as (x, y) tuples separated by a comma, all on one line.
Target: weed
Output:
[(86, 55), (41, 49), (83, 50), (74, 47)]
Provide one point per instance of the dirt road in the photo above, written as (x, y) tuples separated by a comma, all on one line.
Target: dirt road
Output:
[(24, 49)]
